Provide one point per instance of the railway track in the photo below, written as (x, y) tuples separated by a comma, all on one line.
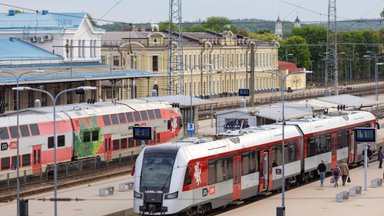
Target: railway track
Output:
[(67, 182)]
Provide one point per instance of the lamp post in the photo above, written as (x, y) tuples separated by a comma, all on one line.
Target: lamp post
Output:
[(17, 78), (190, 88), (376, 81), (54, 100), (283, 78)]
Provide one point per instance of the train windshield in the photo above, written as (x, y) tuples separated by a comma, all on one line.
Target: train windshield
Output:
[(157, 171)]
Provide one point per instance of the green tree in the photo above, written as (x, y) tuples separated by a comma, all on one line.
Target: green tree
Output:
[(91, 20), (217, 24), (164, 26), (195, 28), (298, 47)]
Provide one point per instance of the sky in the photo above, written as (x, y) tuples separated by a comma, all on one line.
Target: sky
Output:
[(143, 11)]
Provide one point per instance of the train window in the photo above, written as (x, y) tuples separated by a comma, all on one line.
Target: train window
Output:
[(220, 174), (14, 162), (311, 147), (116, 144), (291, 152), (188, 176), (87, 136), (114, 119), (136, 115), (26, 159), (157, 113), (5, 163), (245, 162), (95, 135), (144, 115), (124, 143), (229, 168), (14, 131), (131, 142), (129, 116), (61, 141), (122, 118), (169, 125), (211, 172), (4, 133), (151, 114), (34, 129), (276, 156), (254, 162), (107, 120), (50, 142), (342, 139), (24, 130)]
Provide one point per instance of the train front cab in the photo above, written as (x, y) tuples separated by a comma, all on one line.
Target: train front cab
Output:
[(154, 170)]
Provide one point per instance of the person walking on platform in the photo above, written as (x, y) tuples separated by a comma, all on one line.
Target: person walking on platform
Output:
[(321, 168), (344, 171), (380, 156), (336, 174)]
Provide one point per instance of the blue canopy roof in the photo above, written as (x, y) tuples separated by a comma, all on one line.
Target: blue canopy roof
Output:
[(13, 49), (43, 20)]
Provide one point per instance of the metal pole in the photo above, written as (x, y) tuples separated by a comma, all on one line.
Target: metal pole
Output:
[(190, 94), (365, 165), (18, 148), (252, 82), (54, 154), (282, 86)]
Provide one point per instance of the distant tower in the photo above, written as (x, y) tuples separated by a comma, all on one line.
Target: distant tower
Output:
[(297, 22), (331, 65), (279, 27)]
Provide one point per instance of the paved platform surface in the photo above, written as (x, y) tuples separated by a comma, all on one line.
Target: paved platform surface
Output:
[(92, 206), (311, 200)]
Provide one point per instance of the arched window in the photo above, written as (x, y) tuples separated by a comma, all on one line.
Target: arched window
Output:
[(79, 48), (91, 48), (83, 49), (66, 50)]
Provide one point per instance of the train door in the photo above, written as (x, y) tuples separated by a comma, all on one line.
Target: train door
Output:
[(236, 178), (36, 159), (264, 174), (351, 146), (334, 148), (107, 147)]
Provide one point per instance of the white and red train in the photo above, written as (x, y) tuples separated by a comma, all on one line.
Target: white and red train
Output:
[(195, 178), (102, 130)]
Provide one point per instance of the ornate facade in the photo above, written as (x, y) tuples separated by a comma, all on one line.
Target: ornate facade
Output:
[(215, 64)]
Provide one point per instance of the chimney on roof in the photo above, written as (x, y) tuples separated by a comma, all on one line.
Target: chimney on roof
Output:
[(44, 12), (11, 12)]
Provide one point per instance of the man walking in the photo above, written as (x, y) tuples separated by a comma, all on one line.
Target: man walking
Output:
[(380, 156), (321, 168), (344, 171)]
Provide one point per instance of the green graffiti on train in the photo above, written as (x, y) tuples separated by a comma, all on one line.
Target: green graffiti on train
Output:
[(86, 142)]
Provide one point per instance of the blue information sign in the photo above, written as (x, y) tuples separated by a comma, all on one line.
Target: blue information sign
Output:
[(365, 134), (144, 133), (243, 92), (191, 128)]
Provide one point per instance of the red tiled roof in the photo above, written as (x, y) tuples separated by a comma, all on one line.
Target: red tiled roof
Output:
[(291, 67)]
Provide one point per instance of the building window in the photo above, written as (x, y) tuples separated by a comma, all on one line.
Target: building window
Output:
[(79, 48), (91, 48), (83, 49), (155, 63), (116, 61), (103, 59), (94, 49)]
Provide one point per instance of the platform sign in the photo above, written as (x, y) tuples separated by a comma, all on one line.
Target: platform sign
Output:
[(365, 134), (191, 128), (243, 92), (144, 133)]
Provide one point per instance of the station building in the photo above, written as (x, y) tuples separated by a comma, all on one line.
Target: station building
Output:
[(226, 53), (65, 49)]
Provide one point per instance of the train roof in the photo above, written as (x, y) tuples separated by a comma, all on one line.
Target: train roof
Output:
[(256, 136), (331, 120), (64, 112)]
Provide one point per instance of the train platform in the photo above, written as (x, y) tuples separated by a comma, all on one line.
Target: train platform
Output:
[(313, 200), (89, 204)]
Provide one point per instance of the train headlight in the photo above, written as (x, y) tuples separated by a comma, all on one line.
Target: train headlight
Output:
[(172, 195), (137, 195)]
